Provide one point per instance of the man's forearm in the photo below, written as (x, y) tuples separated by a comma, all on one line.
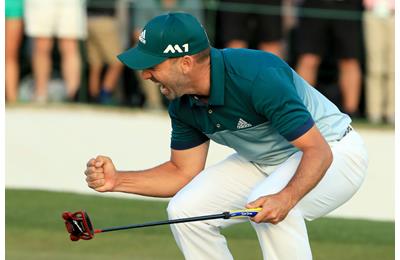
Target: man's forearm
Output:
[(310, 171), (164, 180)]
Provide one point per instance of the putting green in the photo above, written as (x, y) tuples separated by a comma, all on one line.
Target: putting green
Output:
[(35, 230)]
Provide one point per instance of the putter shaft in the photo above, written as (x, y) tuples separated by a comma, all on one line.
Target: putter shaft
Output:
[(224, 215)]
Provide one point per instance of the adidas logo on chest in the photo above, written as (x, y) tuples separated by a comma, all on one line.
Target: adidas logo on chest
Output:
[(243, 124)]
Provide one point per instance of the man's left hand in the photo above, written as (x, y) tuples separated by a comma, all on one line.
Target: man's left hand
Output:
[(274, 208)]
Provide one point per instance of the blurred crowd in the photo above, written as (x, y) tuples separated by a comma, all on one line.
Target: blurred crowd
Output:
[(65, 50)]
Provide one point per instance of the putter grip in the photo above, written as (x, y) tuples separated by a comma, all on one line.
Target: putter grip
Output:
[(244, 213)]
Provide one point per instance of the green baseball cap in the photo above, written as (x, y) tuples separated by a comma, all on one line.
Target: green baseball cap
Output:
[(166, 36)]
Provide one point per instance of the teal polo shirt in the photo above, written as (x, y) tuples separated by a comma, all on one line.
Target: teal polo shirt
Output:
[(257, 106)]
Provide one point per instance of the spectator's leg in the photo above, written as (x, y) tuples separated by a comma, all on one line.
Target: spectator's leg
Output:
[(307, 67), (374, 46), (236, 44), (95, 60), (234, 27), (71, 65), (274, 47), (347, 39), (94, 80), (41, 63), (390, 108), (350, 84), (112, 76), (269, 29), (106, 45), (14, 32)]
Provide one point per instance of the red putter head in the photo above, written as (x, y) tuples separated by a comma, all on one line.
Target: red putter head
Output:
[(78, 225)]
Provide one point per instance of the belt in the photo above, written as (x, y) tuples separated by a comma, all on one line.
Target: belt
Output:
[(348, 130)]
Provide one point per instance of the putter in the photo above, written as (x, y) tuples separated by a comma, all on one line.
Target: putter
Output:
[(79, 226)]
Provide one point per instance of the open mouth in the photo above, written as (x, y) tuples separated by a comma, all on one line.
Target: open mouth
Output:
[(165, 91)]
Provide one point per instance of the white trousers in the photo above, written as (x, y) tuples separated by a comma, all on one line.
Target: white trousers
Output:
[(233, 182)]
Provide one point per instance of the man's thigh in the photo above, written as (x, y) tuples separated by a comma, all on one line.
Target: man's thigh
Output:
[(342, 180)]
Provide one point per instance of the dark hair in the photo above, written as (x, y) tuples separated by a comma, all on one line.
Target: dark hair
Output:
[(199, 57)]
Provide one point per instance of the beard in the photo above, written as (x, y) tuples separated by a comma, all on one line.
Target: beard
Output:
[(168, 92), (173, 90), (171, 87)]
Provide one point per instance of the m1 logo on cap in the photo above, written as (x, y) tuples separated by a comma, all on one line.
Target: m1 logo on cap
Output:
[(177, 48)]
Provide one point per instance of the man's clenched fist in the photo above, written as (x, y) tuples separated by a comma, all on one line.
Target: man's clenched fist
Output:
[(101, 174)]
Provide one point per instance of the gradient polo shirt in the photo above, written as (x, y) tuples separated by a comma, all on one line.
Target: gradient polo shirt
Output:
[(257, 105)]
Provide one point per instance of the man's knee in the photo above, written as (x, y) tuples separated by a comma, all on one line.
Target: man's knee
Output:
[(179, 207)]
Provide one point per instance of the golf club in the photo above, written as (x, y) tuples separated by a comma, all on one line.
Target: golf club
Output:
[(79, 226)]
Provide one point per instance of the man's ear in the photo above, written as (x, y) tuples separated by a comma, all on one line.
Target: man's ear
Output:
[(187, 63)]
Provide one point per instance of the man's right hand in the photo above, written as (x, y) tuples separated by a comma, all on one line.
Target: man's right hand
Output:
[(101, 174)]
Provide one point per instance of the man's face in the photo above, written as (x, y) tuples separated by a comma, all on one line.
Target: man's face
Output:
[(168, 76)]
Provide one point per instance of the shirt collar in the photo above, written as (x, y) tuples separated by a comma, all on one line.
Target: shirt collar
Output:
[(217, 81)]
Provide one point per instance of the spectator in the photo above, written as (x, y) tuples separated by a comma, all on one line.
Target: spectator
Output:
[(240, 28), (345, 34), (14, 34), (379, 42), (103, 44), (146, 10), (65, 20)]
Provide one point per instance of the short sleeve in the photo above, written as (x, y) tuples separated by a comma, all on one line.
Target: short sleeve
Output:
[(274, 96), (184, 136)]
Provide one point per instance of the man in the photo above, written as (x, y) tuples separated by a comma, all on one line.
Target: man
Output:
[(345, 36), (296, 155)]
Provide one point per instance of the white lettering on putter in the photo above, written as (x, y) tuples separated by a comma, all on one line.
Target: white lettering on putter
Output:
[(177, 48)]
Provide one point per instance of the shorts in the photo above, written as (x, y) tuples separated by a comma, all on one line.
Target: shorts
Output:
[(344, 35), (103, 42), (56, 18), (14, 9), (251, 27)]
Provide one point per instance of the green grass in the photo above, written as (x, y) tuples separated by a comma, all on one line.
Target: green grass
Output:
[(34, 230)]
